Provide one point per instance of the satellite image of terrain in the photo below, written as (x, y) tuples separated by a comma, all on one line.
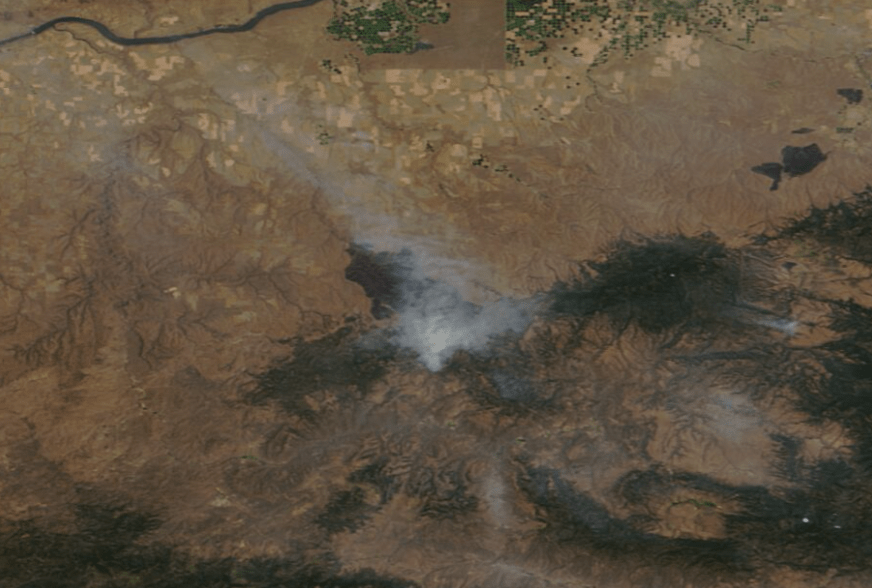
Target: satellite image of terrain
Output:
[(435, 294)]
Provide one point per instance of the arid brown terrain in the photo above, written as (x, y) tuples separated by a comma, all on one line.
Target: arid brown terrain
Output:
[(592, 310)]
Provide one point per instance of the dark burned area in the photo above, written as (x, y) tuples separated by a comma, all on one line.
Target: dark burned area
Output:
[(103, 550), (795, 161), (332, 363), (657, 284), (820, 519), (573, 518), (504, 384), (845, 227), (694, 301), (852, 95), (380, 276), (801, 160)]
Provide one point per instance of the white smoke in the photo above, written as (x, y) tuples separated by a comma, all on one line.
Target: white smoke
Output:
[(786, 326), (436, 321), (445, 307)]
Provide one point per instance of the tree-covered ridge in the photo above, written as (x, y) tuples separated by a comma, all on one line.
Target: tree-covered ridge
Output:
[(386, 27), (629, 25)]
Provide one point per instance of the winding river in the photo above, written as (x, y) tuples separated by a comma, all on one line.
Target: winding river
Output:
[(134, 41)]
